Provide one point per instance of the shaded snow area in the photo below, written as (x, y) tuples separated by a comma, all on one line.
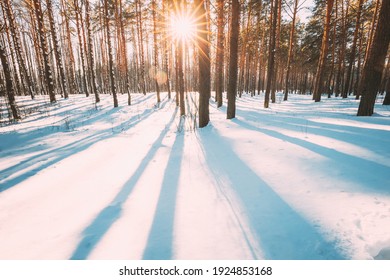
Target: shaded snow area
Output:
[(301, 180)]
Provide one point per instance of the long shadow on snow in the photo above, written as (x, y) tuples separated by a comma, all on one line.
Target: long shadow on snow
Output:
[(160, 240), (376, 176), (350, 134), (280, 230), (55, 155), (107, 217)]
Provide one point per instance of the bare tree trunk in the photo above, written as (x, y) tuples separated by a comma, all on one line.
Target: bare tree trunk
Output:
[(290, 50), (204, 64), (373, 67), (271, 52), (324, 52), (15, 36), (81, 48), (220, 54), (233, 59), (57, 52), (141, 45), (8, 83), (110, 58), (351, 61), (44, 50), (155, 47), (91, 53)]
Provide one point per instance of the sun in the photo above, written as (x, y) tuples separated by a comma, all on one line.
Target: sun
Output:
[(182, 27)]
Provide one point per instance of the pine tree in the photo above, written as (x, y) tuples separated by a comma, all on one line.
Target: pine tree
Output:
[(204, 65), (233, 59), (373, 66)]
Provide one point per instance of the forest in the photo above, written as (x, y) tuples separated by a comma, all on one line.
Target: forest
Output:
[(62, 47), (195, 129)]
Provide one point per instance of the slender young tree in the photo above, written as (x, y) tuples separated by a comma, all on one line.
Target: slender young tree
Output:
[(233, 59), (373, 67)]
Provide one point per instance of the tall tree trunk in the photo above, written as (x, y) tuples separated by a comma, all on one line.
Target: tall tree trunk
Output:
[(219, 61), (8, 83), (81, 48), (44, 50), (56, 48), (351, 61), (290, 50), (233, 59), (70, 55), (15, 36), (324, 51), (271, 52), (124, 54), (141, 45), (274, 83), (373, 67), (91, 52), (110, 57), (155, 47), (166, 51), (204, 64)]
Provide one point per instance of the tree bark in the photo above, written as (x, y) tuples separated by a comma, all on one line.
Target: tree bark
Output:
[(44, 50), (373, 67), (110, 58), (351, 61), (204, 65), (57, 52), (324, 52), (8, 83), (233, 59), (220, 54)]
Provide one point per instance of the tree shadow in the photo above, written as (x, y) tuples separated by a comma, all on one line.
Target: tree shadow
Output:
[(48, 158), (160, 241), (281, 232), (368, 175), (110, 214)]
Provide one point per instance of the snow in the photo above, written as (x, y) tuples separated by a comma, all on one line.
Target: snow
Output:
[(299, 180)]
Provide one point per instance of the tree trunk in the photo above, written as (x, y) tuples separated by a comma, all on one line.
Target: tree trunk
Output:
[(56, 47), (233, 59), (81, 48), (8, 83), (271, 52), (44, 50), (15, 36), (110, 58), (220, 54), (290, 50), (155, 47), (351, 61), (373, 67), (91, 53), (204, 64), (324, 51)]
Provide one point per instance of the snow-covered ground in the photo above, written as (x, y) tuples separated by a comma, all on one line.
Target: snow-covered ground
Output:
[(301, 180)]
